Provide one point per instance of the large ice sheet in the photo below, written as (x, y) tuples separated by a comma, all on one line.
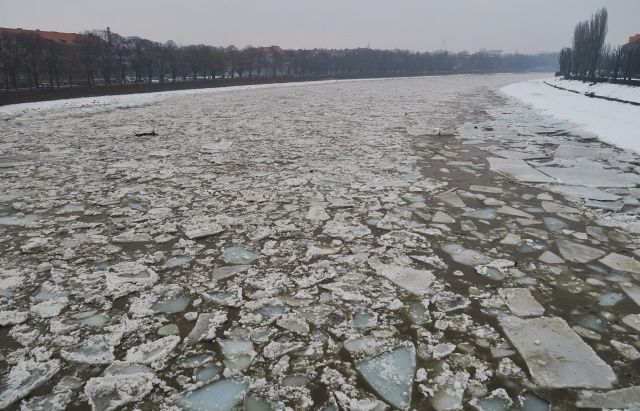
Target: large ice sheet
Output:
[(518, 169), (410, 279), (625, 398), (590, 193), (555, 355), (391, 374), (591, 176), (222, 395)]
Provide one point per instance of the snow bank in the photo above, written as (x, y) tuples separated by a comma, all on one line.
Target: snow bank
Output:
[(619, 91), (613, 122)]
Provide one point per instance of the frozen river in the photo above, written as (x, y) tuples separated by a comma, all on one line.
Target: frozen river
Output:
[(420, 243)]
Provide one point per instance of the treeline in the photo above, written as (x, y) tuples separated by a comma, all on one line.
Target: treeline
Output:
[(29, 59), (590, 59)]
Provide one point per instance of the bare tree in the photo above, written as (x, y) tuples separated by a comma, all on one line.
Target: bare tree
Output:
[(89, 54), (565, 58), (51, 57), (598, 28)]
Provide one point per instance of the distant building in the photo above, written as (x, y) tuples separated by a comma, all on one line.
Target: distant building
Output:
[(62, 38), (634, 39)]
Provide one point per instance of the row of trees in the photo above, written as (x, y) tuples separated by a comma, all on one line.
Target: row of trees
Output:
[(589, 58), (30, 59)]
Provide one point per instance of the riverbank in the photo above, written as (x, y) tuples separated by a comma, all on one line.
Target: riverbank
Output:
[(614, 122), (35, 95), (620, 93)]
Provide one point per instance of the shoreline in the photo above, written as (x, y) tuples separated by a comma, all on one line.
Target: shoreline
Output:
[(593, 95), (610, 120), (36, 95)]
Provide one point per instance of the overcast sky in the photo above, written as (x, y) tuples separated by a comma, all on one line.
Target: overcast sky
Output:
[(509, 25)]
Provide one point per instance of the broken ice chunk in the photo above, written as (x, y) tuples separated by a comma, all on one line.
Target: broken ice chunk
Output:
[(518, 169), (169, 329), (514, 212), (25, 377), (296, 380), (90, 318), (627, 351), (550, 258), (111, 392), (171, 305), (200, 227), (54, 401), (294, 322), (442, 218), (555, 355), (554, 224), (19, 219), (521, 302), (129, 276), (253, 403), (452, 199), (442, 350), (584, 192), (592, 322), (551, 207), (221, 273), (132, 237), (238, 355), (632, 321), (94, 350), (239, 255), (447, 301), (50, 308), (152, 351), (498, 400), (465, 256), (221, 395), (13, 317), (412, 280), (207, 374), (362, 345), (610, 299), (624, 398), (531, 402), (633, 291), (222, 145), (482, 214), (621, 262), (591, 176), (577, 252), (346, 231), (364, 319), (317, 213), (485, 189), (511, 239), (391, 374), (451, 388), (206, 326), (177, 261)]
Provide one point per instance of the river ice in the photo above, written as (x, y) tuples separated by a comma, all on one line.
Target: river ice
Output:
[(421, 243)]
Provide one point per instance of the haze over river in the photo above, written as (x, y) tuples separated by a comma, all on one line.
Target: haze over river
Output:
[(424, 243)]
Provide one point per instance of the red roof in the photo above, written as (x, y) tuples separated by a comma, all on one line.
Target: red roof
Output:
[(56, 36), (272, 49), (635, 38)]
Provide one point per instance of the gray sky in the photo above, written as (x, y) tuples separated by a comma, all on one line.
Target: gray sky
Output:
[(523, 25)]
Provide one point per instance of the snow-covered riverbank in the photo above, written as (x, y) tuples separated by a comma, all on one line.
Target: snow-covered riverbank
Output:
[(613, 122), (606, 90)]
